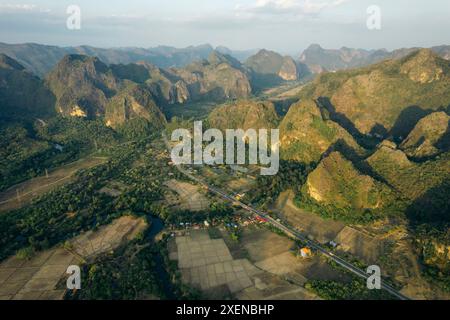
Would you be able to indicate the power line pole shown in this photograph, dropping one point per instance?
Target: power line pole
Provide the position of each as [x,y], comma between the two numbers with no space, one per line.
[18,196]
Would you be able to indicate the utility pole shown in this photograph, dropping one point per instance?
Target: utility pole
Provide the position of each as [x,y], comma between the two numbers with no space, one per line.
[18,196]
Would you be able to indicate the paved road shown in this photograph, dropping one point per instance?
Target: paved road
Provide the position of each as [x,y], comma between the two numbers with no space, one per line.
[288,230]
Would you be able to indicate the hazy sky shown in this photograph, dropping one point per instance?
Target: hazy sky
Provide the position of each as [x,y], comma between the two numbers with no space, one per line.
[284,25]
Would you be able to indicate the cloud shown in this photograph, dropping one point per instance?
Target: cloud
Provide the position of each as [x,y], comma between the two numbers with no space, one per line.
[21,8]
[295,8]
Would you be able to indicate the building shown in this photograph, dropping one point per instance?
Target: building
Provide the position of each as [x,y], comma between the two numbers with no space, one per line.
[305,252]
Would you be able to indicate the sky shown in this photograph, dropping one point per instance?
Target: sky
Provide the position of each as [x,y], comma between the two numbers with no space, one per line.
[287,26]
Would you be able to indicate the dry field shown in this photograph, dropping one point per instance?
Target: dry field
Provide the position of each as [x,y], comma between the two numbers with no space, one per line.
[190,197]
[320,229]
[9,199]
[241,185]
[360,244]
[272,253]
[38,277]
[209,266]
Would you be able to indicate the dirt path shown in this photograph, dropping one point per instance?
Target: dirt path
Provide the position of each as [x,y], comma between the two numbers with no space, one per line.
[22,194]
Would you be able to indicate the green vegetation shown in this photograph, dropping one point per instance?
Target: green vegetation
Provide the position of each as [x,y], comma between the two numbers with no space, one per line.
[176,217]
[307,133]
[291,175]
[27,151]
[244,114]
[48,221]
[355,290]
[22,95]
[129,274]
[392,95]
[327,132]
[139,270]
[337,190]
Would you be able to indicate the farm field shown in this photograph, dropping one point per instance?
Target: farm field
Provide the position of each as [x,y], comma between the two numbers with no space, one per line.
[189,195]
[38,276]
[21,195]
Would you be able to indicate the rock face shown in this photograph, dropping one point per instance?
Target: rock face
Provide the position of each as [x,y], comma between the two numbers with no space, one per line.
[22,95]
[82,86]
[288,70]
[412,180]
[386,98]
[305,134]
[430,137]
[220,77]
[338,183]
[86,87]
[422,67]
[269,68]
[244,115]
[132,103]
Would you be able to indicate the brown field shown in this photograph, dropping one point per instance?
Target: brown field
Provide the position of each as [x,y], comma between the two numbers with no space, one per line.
[269,270]
[360,244]
[190,197]
[272,253]
[20,195]
[241,184]
[208,265]
[38,277]
[320,229]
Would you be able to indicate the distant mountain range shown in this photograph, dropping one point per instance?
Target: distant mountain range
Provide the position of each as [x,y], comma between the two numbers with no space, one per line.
[40,59]
[319,59]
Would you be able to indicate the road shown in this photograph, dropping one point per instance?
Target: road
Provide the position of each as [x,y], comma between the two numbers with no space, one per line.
[288,230]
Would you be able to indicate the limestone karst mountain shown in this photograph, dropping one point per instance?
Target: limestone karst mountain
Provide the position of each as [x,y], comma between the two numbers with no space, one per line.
[82,85]
[336,182]
[220,77]
[86,87]
[430,137]
[269,68]
[244,114]
[385,99]
[321,60]
[22,95]
[306,134]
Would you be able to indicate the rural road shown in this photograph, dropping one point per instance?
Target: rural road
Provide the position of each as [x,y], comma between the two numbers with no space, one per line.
[288,230]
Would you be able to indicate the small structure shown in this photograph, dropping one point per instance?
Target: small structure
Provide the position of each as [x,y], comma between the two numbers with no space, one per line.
[59,147]
[206,224]
[261,219]
[305,253]
[240,196]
